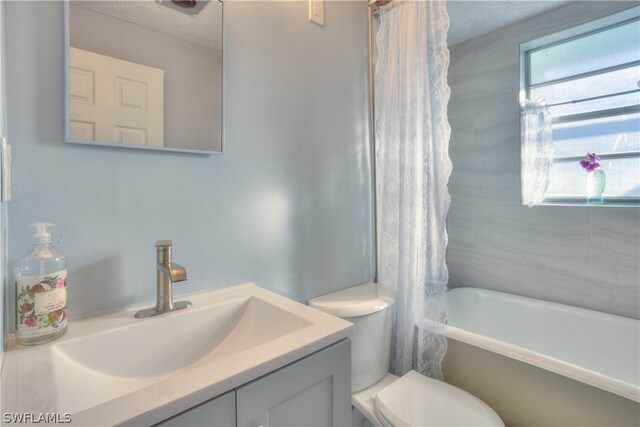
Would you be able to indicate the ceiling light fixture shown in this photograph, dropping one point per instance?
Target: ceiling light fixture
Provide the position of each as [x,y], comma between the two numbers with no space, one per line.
[186,4]
[189,7]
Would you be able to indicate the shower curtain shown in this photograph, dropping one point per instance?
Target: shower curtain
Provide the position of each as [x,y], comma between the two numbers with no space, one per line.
[412,171]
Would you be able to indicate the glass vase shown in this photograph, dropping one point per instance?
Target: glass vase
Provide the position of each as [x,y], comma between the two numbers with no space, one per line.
[596,181]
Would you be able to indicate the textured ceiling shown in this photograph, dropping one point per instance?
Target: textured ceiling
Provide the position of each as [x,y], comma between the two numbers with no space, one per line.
[471,18]
[468,18]
[203,28]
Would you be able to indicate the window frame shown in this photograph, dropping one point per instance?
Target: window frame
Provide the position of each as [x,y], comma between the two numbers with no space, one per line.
[598,25]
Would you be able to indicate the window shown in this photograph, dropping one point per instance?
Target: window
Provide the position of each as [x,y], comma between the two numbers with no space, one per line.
[589,77]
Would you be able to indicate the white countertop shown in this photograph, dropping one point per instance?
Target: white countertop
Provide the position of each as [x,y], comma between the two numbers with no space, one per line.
[44,379]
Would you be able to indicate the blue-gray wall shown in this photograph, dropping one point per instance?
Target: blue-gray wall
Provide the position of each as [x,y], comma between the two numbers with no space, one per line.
[287,205]
[583,256]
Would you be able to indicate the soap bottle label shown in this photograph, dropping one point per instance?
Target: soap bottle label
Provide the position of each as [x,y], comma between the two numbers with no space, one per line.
[41,304]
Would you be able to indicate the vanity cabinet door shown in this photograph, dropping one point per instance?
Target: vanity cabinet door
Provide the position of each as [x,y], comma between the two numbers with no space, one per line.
[314,391]
[218,412]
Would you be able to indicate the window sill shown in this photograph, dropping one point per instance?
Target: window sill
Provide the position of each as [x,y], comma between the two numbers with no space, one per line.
[608,203]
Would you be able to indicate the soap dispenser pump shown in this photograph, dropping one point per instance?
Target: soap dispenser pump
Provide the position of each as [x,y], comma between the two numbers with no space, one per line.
[41,290]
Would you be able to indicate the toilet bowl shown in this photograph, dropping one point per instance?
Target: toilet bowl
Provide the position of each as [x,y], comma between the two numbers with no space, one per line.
[383,398]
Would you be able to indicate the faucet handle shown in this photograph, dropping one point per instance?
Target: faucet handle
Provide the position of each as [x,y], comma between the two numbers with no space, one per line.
[164,244]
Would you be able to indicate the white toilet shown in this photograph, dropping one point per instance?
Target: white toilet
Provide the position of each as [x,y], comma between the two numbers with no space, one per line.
[383,398]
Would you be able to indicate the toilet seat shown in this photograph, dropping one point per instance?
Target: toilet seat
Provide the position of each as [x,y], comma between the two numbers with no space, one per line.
[416,400]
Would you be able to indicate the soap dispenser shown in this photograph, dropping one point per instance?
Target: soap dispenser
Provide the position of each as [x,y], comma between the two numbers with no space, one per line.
[41,291]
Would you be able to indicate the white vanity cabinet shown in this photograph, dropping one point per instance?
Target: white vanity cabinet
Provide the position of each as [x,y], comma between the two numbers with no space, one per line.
[240,354]
[217,412]
[313,391]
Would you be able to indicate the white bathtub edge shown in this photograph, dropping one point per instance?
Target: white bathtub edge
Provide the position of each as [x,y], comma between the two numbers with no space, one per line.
[626,390]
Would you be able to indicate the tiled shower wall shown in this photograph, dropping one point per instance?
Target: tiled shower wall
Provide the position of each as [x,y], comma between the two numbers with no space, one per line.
[583,256]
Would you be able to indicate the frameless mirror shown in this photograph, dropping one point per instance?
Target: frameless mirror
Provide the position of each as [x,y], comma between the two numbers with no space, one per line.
[145,74]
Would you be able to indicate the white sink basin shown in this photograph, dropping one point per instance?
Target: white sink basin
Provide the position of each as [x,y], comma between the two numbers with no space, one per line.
[117,368]
[164,344]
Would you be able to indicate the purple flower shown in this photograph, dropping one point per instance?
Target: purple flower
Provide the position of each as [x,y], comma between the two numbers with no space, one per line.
[590,162]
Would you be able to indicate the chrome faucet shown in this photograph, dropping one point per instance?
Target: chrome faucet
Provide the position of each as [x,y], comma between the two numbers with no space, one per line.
[167,272]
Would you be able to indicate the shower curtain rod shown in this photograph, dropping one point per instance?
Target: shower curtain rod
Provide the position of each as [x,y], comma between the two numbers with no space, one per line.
[375,5]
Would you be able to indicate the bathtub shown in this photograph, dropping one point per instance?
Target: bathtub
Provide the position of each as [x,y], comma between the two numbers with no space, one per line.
[542,363]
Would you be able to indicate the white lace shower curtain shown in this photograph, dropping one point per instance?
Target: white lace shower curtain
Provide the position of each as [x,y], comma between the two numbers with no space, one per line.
[412,171]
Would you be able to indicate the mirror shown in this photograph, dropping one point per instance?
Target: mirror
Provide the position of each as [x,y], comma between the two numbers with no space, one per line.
[144,74]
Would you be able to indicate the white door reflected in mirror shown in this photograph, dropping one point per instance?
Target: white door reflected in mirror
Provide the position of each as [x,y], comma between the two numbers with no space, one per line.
[144,75]
[116,101]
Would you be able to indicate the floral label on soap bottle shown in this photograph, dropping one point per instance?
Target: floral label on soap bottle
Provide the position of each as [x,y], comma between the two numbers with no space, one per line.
[41,304]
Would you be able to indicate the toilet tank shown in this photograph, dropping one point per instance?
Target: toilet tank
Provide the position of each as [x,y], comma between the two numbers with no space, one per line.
[368,307]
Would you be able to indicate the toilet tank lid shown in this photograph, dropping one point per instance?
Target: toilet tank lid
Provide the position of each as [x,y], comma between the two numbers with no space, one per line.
[356,301]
